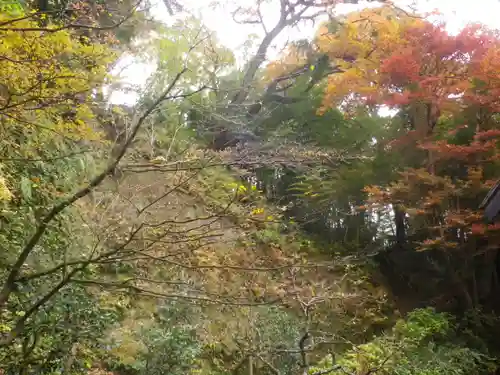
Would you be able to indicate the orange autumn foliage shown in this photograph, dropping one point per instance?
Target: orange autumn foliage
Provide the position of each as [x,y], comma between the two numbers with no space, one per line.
[446,91]
[412,64]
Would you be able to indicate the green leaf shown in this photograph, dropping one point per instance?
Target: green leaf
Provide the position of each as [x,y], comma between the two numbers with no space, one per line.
[81,162]
[26,188]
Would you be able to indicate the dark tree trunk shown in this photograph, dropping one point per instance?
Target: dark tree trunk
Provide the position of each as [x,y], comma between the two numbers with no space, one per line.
[399,221]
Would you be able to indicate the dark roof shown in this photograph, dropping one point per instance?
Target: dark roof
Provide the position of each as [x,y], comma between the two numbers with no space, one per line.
[491,203]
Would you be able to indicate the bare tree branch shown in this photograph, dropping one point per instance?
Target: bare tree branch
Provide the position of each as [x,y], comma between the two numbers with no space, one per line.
[57,209]
[74,26]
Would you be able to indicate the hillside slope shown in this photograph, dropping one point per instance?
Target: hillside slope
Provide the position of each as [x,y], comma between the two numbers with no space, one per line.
[220,248]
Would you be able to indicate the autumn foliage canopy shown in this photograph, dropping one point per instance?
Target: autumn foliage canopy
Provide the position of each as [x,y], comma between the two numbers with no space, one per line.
[445,90]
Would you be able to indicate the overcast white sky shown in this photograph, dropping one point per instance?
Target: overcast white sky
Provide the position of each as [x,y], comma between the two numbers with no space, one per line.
[456,13]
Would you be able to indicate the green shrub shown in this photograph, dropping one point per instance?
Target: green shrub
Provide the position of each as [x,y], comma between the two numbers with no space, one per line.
[425,343]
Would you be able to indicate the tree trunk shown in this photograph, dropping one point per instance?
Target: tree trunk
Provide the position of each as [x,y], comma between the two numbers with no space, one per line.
[250,365]
[399,221]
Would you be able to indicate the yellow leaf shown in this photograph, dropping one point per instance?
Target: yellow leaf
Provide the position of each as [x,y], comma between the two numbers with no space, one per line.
[258,211]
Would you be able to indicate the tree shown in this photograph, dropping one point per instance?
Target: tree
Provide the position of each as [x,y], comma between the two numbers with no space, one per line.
[442,140]
[423,73]
[45,104]
[171,344]
[65,247]
[291,14]
[424,342]
[155,229]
